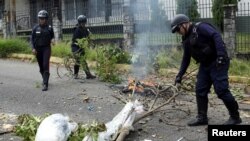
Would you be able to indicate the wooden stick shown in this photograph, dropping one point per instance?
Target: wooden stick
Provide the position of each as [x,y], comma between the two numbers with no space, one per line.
[125,131]
[157,95]
[120,99]
[134,88]
[151,111]
[123,134]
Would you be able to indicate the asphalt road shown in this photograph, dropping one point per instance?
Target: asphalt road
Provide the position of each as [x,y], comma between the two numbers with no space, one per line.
[20,93]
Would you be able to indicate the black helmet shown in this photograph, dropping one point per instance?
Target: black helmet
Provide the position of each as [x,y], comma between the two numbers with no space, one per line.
[178,19]
[82,19]
[43,14]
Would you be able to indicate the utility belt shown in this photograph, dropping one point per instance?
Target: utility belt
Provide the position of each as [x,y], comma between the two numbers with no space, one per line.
[204,54]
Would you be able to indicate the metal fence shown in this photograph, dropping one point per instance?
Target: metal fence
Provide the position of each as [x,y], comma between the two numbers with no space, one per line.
[105,19]
[243,28]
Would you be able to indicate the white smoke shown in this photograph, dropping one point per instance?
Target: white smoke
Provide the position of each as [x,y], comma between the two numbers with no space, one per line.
[148,25]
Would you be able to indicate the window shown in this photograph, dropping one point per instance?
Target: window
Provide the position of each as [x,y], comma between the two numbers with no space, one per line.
[73,8]
[1,8]
[69,10]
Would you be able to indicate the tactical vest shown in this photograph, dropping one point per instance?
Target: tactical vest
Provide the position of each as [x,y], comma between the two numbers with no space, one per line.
[43,36]
[202,52]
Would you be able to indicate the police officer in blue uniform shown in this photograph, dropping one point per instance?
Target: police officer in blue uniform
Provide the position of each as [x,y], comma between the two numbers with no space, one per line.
[80,31]
[41,39]
[204,44]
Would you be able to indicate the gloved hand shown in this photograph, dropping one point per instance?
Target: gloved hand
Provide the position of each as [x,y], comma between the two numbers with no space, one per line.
[220,61]
[177,80]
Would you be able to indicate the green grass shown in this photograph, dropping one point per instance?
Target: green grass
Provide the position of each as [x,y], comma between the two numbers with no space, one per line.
[68,37]
[171,58]
[61,49]
[239,67]
[8,46]
[243,43]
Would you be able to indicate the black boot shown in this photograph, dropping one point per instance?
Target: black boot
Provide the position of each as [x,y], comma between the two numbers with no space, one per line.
[233,112]
[45,81]
[45,87]
[88,74]
[76,70]
[41,75]
[201,118]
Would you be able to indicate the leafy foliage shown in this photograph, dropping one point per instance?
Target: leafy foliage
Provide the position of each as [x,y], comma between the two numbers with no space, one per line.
[239,67]
[107,58]
[61,49]
[90,130]
[218,11]
[189,8]
[27,126]
[230,1]
[8,46]
[85,45]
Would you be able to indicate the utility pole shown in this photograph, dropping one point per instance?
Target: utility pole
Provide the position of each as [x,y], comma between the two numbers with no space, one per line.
[57,20]
[230,28]
[9,26]
[128,25]
[13,18]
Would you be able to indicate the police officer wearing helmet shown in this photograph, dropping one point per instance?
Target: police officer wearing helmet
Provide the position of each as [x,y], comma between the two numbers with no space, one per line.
[41,39]
[204,44]
[80,31]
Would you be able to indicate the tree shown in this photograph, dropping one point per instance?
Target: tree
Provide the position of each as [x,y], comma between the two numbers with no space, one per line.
[158,16]
[231,2]
[218,11]
[189,8]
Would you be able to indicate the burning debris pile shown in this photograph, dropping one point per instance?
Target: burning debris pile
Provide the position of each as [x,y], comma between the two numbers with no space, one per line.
[146,87]
[140,86]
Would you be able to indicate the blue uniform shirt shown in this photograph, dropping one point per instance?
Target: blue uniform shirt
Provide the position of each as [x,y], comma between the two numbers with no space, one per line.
[41,36]
[207,35]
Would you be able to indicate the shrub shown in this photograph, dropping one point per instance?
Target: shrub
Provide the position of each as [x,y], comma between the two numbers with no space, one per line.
[8,46]
[239,67]
[121,56]
[169,58]
[106,64]
[61,49]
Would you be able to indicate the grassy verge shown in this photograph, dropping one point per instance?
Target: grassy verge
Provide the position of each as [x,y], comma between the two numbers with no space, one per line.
[167,58]
[8,46]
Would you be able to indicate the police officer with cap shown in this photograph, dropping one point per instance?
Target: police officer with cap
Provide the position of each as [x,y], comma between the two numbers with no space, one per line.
[80,31]
[41,39]
[204,44]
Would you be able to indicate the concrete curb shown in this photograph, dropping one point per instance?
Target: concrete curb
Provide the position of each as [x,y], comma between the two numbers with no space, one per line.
[53,59]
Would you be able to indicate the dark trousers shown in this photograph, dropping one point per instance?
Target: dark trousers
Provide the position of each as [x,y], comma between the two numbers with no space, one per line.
[78,55]
[218,77]
[43,59]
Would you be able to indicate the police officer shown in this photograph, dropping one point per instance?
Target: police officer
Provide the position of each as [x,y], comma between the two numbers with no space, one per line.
[80,31]
[204,44]
[41,39]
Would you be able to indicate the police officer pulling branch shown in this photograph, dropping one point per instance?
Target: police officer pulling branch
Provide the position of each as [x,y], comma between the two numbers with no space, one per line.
[204,44]
[80,31]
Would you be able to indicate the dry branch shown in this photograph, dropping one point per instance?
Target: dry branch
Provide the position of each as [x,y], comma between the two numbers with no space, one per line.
[151,111]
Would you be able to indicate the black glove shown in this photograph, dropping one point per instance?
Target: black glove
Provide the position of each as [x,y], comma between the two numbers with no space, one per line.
[221,60]
[177,80]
